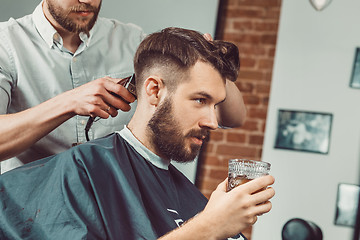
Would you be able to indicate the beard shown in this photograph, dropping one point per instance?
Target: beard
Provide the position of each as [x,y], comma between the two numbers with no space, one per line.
[83,24]
[167,138]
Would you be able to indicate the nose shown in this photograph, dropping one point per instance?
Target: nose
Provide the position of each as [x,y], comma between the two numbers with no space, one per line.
[210,120]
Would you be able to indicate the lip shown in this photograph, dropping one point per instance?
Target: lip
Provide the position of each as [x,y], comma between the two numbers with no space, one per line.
[197,141]
[84,13]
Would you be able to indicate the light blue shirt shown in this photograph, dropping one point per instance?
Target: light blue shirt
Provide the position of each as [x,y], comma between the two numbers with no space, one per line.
[35,66]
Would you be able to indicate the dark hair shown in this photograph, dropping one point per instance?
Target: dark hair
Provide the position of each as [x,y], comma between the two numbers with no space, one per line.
[173,51]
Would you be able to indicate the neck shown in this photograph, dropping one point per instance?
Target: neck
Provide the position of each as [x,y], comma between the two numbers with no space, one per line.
[71,40]
[139,132]
[138,127]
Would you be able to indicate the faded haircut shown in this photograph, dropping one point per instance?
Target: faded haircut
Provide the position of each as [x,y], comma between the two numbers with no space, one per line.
[173,51]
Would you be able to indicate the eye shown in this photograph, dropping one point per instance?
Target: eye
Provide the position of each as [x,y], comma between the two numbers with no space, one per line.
[200,100]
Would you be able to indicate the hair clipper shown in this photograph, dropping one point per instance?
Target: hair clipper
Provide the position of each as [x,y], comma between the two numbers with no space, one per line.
[129,84]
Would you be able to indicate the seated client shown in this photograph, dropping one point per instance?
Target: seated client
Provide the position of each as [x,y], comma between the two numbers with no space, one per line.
[123,186]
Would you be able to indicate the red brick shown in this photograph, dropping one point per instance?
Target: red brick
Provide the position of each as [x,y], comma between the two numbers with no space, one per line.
[271,52]
[247,63]
[232,3]
[266,63]
[219,174]
[256,139]
[252,39]
[248,13]
[232,37]
[268,76]
[209,185]
[217,135]
[204,172]
[243,25]
[211,160]
[209,147]
[257,113]
[263,125]
[264,3]
[265,100]
[243,38]
[262,87]
[236,137]
[251,99]
[236,151]
[251,50]
[269,39]
[266,26]
[259,153]
[256,75]
[250,125]
[272,13]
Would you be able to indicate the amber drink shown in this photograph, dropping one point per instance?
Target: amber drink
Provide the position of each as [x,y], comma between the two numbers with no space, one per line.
[244,170]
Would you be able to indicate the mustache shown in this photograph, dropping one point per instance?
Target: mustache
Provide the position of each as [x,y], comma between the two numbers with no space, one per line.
[83,7]
[201,134]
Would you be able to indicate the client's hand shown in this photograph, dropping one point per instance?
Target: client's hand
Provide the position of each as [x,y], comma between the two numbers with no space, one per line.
[232,212]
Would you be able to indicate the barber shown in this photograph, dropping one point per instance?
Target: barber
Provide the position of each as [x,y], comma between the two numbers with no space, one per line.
[60,65]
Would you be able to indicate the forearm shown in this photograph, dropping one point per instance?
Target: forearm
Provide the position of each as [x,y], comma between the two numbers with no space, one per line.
[199,227]
[21,130]
[232,112]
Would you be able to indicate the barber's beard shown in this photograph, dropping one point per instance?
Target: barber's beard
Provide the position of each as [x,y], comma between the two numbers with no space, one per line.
[61,16]
[167,137]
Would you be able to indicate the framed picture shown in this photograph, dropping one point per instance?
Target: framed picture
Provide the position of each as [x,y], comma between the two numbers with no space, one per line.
[355,77]
[303,131]
[347,204]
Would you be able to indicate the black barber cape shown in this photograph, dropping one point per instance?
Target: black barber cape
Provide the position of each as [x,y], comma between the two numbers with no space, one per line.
[103,189]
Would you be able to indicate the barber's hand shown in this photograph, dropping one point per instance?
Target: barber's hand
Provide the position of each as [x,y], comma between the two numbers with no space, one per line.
[95,98]
[234,211]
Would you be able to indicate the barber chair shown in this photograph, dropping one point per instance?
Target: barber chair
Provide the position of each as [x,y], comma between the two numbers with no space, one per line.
[300,229]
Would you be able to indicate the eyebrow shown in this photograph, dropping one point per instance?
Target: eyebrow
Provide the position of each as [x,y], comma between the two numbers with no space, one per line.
[208,96]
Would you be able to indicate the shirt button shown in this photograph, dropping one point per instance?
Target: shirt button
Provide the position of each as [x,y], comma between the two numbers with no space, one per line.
[83,122]
[74,59]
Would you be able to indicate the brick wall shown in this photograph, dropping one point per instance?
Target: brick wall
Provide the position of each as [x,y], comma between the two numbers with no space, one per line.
[252,25]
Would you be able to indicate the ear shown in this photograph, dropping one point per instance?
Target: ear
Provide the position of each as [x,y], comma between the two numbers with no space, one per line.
[154,89]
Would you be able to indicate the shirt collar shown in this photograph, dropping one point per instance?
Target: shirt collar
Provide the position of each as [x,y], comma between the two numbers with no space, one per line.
[49,33]
[144,151]
[43,26]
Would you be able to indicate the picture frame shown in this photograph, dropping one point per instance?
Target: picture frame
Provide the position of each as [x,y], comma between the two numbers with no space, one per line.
[347,204]
[355,76]
[303,131]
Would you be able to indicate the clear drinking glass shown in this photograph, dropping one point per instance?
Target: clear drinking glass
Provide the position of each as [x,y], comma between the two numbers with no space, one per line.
[244,170]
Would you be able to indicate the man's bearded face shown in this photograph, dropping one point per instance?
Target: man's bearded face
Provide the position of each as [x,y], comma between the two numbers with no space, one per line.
[168,137]
[77,18]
